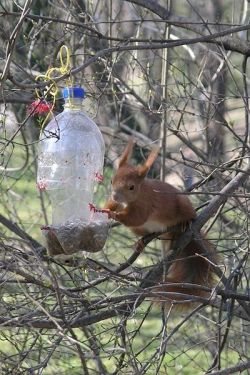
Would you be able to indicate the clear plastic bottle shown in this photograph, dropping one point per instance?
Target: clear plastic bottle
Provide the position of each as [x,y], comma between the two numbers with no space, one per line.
[70,160]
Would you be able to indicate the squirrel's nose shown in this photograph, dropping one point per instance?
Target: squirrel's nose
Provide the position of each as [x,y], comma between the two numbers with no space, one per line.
[116,196]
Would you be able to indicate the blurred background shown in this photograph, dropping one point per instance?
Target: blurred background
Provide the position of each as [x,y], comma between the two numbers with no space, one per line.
[165,72]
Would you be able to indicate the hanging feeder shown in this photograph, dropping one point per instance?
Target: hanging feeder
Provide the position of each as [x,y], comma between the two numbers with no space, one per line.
[70,164]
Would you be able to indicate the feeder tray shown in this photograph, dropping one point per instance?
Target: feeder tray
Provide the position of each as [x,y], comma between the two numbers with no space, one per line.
[71,238]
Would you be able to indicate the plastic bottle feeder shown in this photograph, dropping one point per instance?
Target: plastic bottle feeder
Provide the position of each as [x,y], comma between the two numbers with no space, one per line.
[70,165]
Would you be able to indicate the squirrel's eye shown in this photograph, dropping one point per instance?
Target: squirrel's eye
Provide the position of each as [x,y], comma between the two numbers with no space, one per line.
[131,187]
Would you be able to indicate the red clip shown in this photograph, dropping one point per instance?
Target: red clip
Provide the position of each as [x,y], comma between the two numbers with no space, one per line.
[92,207]
[42,185]
[45,227]
[98,177]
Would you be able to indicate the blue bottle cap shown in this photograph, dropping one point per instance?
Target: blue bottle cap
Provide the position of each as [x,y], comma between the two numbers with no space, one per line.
[73,92]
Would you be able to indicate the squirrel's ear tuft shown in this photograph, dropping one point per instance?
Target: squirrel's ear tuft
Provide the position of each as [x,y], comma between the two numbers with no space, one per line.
[144,168]
[126,155]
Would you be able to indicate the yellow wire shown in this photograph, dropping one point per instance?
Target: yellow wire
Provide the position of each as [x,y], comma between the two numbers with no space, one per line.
[52,89]
[64,66]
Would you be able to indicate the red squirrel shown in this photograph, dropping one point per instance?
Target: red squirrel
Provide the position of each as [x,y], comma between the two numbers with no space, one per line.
[146,206]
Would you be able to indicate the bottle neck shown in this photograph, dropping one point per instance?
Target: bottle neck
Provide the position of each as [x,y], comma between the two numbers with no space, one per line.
[73,104]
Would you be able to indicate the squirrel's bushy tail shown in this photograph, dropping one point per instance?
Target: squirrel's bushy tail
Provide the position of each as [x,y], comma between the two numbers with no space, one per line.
[191,267]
